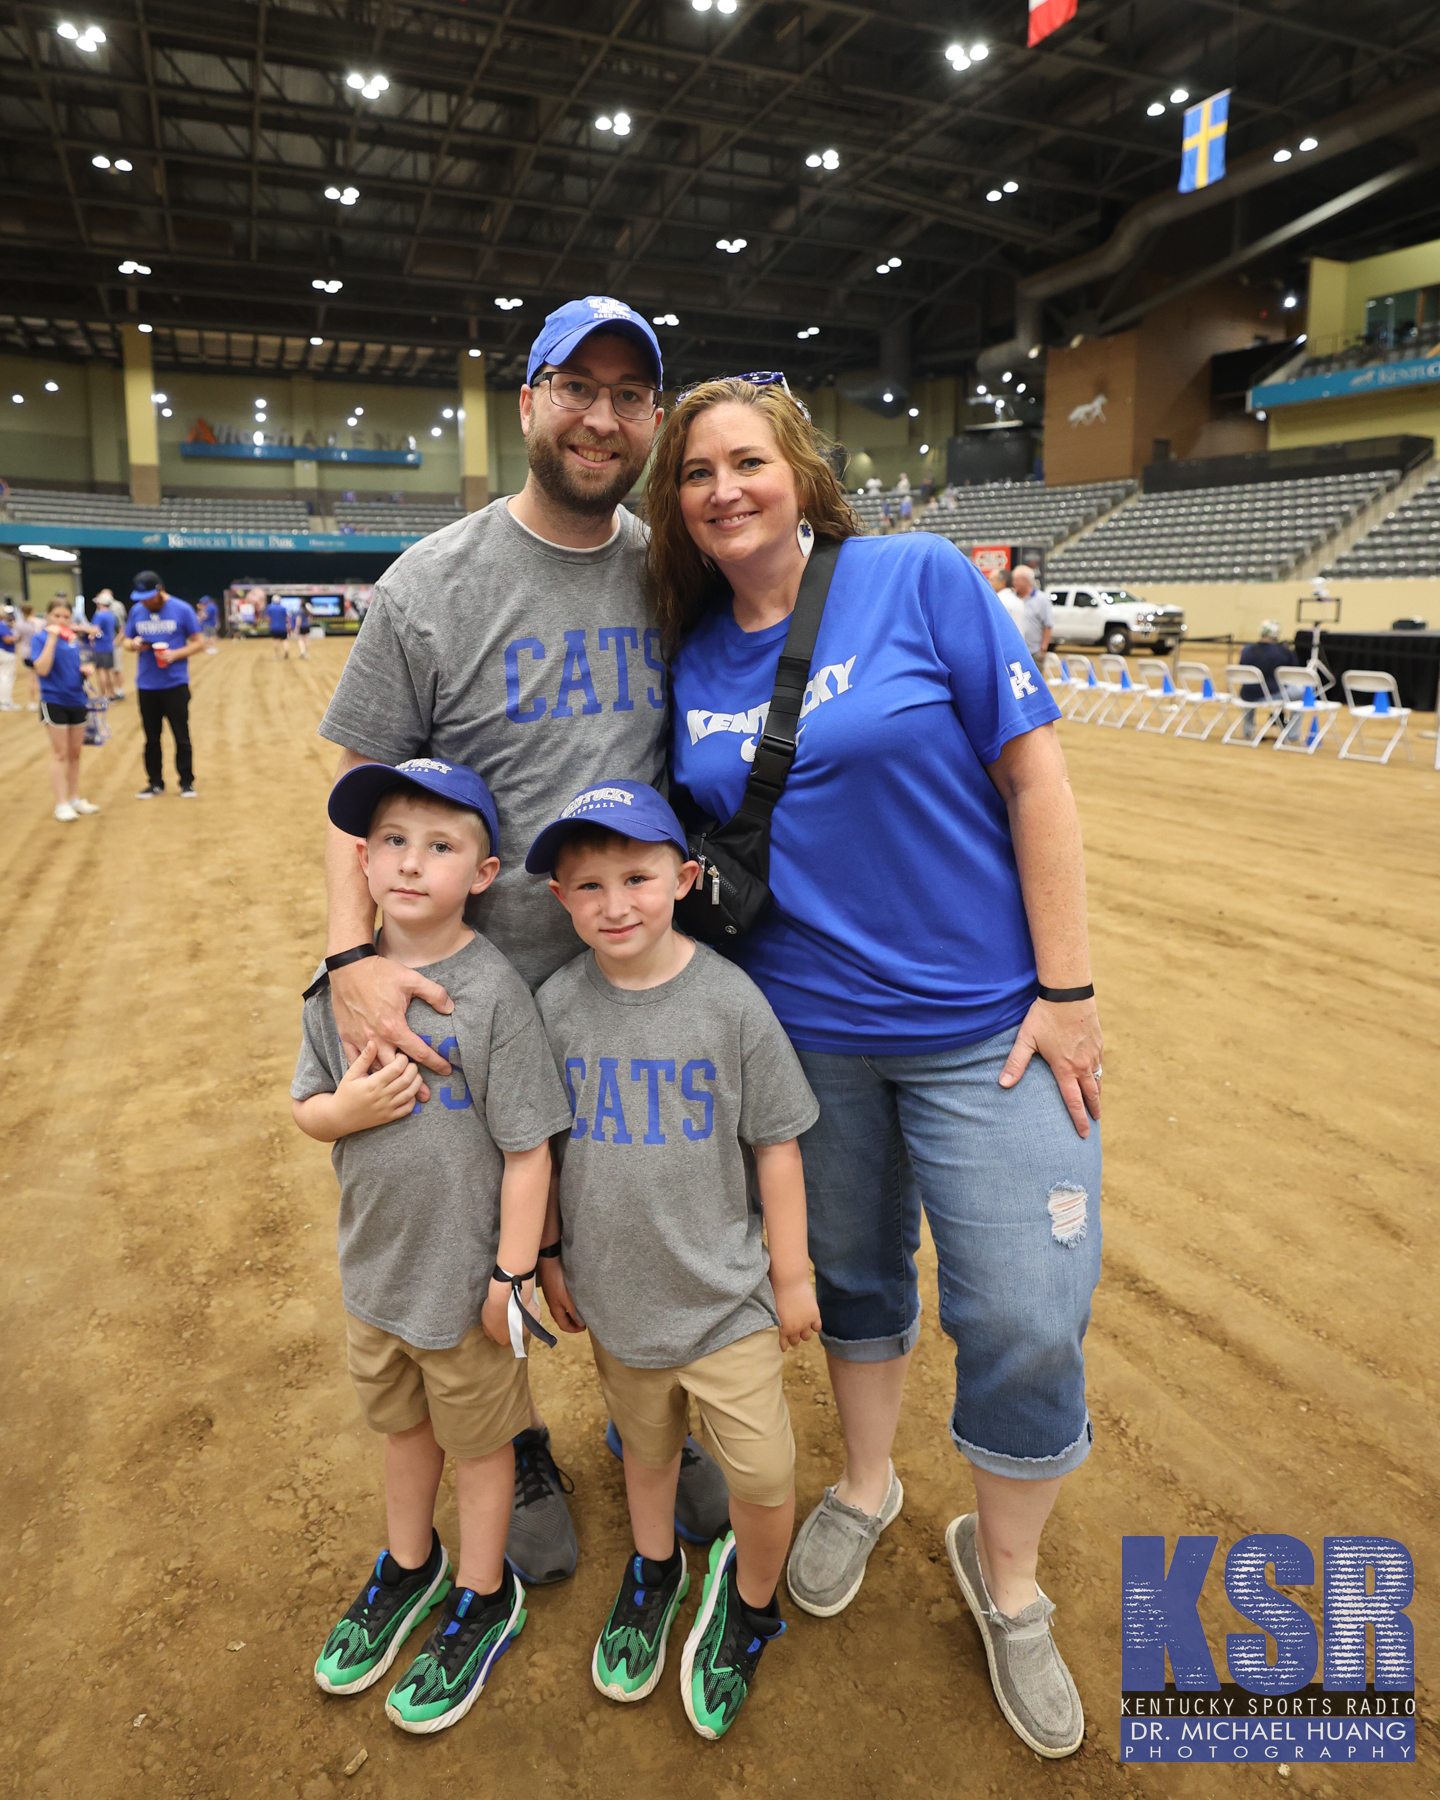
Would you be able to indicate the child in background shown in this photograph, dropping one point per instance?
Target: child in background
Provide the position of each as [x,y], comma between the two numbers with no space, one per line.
[55,659]
[687,1102]
[441,1208]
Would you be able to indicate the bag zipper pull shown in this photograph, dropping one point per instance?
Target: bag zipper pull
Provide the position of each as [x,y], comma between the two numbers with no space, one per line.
[714,885]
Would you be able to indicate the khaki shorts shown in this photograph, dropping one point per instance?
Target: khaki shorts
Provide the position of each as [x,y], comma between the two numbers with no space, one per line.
[476,1396]
[742,1409]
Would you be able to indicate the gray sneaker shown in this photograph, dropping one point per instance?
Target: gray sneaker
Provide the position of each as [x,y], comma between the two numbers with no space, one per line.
[541,1546]
[1027,1672]
[827,1562]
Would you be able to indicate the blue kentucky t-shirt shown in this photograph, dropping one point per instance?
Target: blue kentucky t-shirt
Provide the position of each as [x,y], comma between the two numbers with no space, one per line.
[173,625]
[105,624]
[64,685]
[898,925]
[279,618]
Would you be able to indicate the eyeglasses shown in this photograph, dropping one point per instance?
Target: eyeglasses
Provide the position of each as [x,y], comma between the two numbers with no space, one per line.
[577,393]
[756,378]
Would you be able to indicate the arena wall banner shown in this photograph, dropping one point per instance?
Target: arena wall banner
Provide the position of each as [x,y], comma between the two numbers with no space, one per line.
[101,537]
[1339,384]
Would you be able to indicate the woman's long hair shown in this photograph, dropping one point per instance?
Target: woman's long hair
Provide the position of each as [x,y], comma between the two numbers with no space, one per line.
[682,585]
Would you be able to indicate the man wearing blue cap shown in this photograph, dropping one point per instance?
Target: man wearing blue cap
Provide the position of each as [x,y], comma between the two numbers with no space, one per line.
[517,643]
[167,634]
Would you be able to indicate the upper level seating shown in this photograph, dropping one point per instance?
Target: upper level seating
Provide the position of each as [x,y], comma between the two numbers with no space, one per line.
[41,506]
[1407,543]
[1001,512]
[1251,533]
[1420,342]
[388,517]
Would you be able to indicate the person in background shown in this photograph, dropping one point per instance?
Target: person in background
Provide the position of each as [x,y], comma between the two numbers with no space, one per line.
[1034,616]
[209,623]
[8,641]
[907,509]
[902,485]
[119,612]
[1267,655]
[299,629]
[102,647]
[277,618]
[55,657]
[166,634]
[25,628]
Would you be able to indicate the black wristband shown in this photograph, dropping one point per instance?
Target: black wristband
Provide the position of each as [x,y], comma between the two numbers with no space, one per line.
[1059,996]
[499,1274]
[551,1249]
[345,957]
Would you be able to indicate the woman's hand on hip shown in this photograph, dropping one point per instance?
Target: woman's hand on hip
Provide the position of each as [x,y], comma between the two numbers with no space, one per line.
[1068,1037]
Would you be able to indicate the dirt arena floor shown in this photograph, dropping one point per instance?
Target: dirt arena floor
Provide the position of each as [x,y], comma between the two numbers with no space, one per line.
[189,1495]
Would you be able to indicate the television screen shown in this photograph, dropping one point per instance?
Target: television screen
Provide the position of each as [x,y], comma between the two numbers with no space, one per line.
[289,602]
[326,606]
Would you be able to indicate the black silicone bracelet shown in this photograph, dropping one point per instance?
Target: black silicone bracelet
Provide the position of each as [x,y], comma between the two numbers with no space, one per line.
[551,1249]
[1061,995]
[344,957]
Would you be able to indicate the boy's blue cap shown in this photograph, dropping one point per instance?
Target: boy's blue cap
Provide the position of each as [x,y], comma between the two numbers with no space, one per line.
[570,324]
[355,796]
[629,807]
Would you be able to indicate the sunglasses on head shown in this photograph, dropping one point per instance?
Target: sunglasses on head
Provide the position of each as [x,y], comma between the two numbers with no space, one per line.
[757,378]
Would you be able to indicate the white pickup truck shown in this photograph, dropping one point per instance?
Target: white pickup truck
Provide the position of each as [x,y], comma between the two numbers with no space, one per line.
[1115,619]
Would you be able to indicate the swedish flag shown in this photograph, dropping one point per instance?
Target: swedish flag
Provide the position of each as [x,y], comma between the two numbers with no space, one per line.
[1202,150]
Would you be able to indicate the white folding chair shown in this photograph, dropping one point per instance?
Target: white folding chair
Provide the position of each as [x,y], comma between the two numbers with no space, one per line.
[1090,694]
[1305,699]
[1383,709]
[1159,696]
[1197,691]
[1052,673]
[1261,714]
[1123,696]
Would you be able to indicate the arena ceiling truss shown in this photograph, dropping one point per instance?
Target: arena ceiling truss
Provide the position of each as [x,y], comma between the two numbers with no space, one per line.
[197,143]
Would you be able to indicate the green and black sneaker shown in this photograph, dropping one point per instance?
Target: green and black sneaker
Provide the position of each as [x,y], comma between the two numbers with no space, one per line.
[446,1678]
[723,1649]
[630,1652]
[388,1608]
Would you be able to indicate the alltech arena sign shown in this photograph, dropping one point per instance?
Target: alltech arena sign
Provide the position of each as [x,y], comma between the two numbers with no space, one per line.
[1271,1710]
[1341,384]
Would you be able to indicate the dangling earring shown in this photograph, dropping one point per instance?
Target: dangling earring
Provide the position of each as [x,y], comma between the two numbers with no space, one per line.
[805,536]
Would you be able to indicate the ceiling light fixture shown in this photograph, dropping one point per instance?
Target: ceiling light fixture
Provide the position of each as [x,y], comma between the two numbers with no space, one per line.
[887,396]
[158,399]
[90,39]
[1155,110]
[956,57]
[52,387]
[327,287]
[894,262]
[370,87]
[477,353]
[914,412]
[1011,187]
[701,5]
[994,195]
[1289,301]
[1281,156]
[260,418]
[167,412]
[665,319]
[351,422]
[1019,387]
[981,389]
[359,412]
[726,6]
[622,124]
[134,268]
[733,245]
[1180,96]
[257,437]
[435,431]
[1033,352]
[124,166]
[18,399]
[1009,375]
[145,329]
[316,342]
[67,30]
[809,332]
[924,449]
[99,162]
[978,52]
[604,123]
[882,268]
[505,305]
[1309,143]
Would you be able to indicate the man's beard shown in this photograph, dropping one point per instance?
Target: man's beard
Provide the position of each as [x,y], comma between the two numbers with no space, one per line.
[549,466]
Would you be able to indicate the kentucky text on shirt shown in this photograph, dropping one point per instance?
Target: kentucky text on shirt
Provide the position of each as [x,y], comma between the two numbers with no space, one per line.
[749,724]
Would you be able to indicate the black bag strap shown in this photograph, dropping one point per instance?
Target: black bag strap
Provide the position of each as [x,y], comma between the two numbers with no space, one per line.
[775,751]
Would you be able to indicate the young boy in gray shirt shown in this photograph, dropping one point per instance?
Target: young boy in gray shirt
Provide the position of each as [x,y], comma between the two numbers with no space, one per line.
[441,1209]
[681,1157]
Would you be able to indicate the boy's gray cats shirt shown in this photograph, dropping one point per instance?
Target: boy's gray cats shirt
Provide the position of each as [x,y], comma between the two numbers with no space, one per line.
[669,1086]
[536,666]
[420,1198]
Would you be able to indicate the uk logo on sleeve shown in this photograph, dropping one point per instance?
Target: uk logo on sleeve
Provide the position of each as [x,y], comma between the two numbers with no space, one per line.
[1020,683]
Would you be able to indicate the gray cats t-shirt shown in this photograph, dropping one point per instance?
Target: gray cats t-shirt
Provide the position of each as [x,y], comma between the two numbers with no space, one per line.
[536,666]
[420,1198]
[669,1086]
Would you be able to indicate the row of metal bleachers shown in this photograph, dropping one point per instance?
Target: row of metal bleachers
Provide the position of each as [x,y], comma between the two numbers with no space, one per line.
[41,506]
[1405,544]
[1253,533]
[1001,511]
[384,517]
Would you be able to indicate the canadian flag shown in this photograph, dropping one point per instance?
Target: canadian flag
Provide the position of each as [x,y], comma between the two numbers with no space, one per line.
[1047,16]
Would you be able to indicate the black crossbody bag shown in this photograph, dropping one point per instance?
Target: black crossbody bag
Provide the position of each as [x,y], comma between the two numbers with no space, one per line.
[731,894]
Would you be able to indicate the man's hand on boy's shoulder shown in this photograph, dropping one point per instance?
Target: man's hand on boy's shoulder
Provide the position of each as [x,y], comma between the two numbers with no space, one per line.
[557,1295]
[375,1092]
[799,1312]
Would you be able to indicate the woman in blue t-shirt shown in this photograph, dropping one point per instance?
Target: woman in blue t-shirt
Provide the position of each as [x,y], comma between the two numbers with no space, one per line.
[925,859]
[55,657]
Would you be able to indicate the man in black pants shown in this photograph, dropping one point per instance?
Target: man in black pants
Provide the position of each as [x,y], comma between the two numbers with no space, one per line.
[166,633]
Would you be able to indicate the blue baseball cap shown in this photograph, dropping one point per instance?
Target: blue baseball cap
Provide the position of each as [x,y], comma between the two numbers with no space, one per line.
[629,807]
[355,796]
[570,324]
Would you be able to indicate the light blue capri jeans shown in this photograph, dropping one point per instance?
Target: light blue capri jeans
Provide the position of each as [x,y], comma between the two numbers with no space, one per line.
[1012,1194]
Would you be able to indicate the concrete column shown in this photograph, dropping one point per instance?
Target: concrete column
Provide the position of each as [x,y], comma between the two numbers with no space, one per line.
[474,425]
[302,420]
[140,428]
[100,388]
